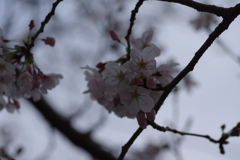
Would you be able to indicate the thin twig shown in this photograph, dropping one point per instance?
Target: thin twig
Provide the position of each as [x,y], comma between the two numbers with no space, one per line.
[46,20]
[132,19]
[222,140]
[164,129]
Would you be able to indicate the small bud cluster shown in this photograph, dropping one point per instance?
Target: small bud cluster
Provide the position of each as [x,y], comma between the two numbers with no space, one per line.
[131,87]
[236,130]
[20,76]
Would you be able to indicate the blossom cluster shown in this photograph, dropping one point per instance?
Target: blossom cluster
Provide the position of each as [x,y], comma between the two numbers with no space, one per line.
[130,87]
[20,76]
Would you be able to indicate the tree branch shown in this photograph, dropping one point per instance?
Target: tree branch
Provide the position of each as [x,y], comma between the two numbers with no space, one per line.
[227,20]
[46,20]
[228,15]
[222,140]
[164,129]
[132,19]
[129,143]
[79,139]
[219,11]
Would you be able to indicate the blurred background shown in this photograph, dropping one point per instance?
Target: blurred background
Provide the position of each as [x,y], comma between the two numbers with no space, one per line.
[203,101]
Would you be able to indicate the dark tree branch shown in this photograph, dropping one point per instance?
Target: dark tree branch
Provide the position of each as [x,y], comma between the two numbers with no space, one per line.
[129,143]
[227,20]
[226,49]
[228,14]
[79,139]
[219,11]
[132,19]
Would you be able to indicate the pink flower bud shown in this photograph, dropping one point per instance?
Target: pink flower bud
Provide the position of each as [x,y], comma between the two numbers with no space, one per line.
[151,82]
[16,103]
[139,81]
[37,80]
[151,115]
[31,25]
[114,35]
[100,65]
[116,101]
[223,127]
[49,41]
[142,120]
[133,81]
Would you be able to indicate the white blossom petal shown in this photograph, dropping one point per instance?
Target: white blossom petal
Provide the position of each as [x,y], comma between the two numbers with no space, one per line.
[147,36]
[150,53]
[134,107]
[146,103]
[136,55]
[139,43]
[112,67]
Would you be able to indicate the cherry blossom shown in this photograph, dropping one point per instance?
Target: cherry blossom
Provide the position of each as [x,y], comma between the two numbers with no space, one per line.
[34,94]
[6,84]
[122,111]
[126,87]
[118,75]
[20,76]
[143,62]
[136,99]
[30,85]
[96,85]
[155,95]
[6,68]
[165,72]
[144,41]
[49,82]
[24,81]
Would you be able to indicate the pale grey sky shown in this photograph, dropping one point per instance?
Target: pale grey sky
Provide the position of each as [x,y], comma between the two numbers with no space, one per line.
[213,102]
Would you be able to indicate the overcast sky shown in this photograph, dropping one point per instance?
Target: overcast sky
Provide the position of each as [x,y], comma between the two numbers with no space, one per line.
[213,102]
